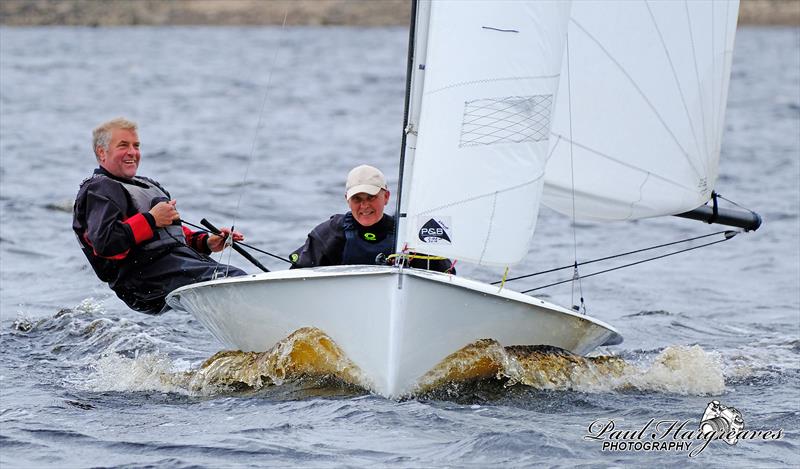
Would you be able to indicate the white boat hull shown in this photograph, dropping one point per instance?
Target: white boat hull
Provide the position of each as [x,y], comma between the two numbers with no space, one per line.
[394,324]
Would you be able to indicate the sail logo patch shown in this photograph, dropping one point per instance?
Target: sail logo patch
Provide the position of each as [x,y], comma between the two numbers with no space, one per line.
[435,231]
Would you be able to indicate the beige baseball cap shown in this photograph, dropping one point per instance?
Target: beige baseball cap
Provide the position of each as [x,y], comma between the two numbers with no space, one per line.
[364,178]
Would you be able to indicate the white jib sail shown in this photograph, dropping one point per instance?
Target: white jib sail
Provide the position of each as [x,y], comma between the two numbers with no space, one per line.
[642,99]
[483,92]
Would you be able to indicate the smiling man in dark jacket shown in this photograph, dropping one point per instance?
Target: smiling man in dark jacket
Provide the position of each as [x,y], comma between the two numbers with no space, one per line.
[364,235]
[128,227]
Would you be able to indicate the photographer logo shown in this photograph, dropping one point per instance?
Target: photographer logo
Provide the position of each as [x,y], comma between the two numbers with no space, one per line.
[719,422]
[726,421]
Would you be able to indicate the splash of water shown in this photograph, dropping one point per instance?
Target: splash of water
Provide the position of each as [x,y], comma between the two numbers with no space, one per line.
[129,361]
[147,372]
[680,370]
[309,352]
[87,307]
[87,331]
[677,369]
[305,352]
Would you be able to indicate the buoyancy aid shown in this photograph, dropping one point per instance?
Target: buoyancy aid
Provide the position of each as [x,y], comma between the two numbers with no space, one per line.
[144,196]
[358,250]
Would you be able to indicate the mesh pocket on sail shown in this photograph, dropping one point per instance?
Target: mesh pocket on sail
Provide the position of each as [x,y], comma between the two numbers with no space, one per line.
[510,119]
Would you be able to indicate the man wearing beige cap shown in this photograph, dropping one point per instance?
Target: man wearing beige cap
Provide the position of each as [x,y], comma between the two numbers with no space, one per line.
[364,235]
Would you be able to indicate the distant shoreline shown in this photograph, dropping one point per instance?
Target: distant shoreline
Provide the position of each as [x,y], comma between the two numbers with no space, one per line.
[271,12]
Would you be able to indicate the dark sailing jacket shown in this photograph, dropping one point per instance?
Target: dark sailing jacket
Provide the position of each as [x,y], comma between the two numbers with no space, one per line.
[343,241]
[141,262]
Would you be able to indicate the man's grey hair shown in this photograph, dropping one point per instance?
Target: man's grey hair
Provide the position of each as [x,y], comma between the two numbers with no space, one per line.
[101,136]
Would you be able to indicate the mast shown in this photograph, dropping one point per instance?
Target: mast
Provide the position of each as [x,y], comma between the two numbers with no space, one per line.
[417,36]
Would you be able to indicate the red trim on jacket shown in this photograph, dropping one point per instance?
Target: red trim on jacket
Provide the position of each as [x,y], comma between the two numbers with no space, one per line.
[196,240]
[115,257]
[142,231]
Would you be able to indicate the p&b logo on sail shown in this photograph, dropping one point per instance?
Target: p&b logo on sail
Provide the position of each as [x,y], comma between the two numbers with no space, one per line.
[435,230]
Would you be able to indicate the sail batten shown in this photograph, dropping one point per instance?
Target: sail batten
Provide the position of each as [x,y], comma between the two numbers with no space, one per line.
[494,80]
[645,98]
[628,164]
[703,126]
[469,199]
[678,87]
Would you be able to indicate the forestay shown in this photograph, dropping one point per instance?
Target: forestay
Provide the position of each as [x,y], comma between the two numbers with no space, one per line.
[642,99]
[485,77]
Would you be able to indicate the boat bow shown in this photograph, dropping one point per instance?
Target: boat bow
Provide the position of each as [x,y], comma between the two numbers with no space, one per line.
[394,324]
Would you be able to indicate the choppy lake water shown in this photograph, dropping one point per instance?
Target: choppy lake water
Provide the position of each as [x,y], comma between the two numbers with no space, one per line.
[85,382]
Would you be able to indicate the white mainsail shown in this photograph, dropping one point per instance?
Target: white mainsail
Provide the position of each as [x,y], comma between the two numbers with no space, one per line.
[480,120]
[642,101]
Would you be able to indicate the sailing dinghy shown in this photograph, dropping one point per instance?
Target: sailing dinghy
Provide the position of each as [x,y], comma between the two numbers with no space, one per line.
[601,110]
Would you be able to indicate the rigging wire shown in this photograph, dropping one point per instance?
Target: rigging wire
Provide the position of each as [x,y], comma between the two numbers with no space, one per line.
[575,274]
[728,235]
[259,124]
[719,196]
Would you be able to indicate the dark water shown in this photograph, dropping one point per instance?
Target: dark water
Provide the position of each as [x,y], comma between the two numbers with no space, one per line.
[84,382]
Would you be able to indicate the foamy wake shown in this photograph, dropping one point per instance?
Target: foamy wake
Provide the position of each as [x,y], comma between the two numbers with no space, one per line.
[147,372]
[308,352]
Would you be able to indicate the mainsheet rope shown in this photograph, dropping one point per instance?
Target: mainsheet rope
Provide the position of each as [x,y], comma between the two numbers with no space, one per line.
[240,243]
